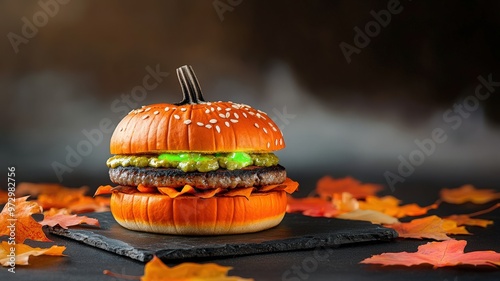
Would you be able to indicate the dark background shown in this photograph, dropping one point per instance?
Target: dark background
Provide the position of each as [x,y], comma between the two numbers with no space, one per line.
[349,118]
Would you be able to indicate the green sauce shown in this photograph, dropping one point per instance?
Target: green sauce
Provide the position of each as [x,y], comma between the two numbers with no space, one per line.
[190,162]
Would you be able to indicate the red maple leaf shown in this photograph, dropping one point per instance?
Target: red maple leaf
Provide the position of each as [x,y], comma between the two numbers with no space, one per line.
[438,254]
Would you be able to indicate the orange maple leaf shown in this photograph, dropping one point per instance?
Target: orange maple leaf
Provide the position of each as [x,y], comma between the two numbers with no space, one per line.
[35,189]
[58,196]
[389,205]
[16,218]
[312,206]
[468,220]
[432,227]
[327,186]
[4,196]
[64,220]
[23,252]
[62,198]
[89,204]
[156,270]
[438,254]
[368,215]
[468,193]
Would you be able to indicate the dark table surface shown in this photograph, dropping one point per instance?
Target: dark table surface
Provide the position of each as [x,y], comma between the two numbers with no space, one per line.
[87,263]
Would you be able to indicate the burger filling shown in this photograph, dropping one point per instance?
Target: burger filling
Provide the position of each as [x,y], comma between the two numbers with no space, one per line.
[201,175]
[191,162]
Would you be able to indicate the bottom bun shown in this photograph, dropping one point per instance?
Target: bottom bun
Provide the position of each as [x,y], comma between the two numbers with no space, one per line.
[196,216]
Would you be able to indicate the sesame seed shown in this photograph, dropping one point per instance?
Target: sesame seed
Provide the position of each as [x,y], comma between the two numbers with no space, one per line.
[276,142]
[208,126]
[187,122]
[145,117]
[228,109]
[281,141]
[199,124]
[258,115]
[156,112]
[235,106]
[222,115]
[236,115]
[207,111]
[177,116]
[183,109]
[234,120]
[226,123]
[212,109]
[256,125]
[268,145]
[131,111]
[143,106]
[265,130]
[244,114]
[213,121]
[217,128]
[251,113]
[140,111]
[209,103]
[246,108]
[167,108]
[147,109]
[274,129]
[228,114]
[219,108]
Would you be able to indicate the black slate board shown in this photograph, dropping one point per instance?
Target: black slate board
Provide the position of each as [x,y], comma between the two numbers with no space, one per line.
[296,232]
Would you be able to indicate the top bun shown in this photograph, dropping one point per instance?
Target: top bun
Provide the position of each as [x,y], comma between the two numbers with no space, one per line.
[194,125]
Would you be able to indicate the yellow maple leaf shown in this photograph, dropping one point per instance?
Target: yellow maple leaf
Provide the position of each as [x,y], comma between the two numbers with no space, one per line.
[23,252]
[156,270]
[432,227]
[389,205]
[468,193]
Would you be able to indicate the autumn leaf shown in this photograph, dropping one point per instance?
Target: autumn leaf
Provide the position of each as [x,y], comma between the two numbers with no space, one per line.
[4,196]
[89,204]
[64,220]
[18,216]
[438,254]
[62,198]
[58,196]
[327,186]
[389,205]
[156,270]
[311,206]
[320,207]
[432,227]
[35,189]
[468,193]
[468,220]
[368,215]
[23,252]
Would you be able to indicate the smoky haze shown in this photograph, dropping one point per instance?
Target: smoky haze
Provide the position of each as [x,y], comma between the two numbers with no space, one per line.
[406,104]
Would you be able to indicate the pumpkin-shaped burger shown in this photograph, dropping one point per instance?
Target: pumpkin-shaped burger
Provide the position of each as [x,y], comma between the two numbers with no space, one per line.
[197,167]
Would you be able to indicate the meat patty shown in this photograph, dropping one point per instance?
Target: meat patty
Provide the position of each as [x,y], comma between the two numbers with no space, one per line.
[222,178]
